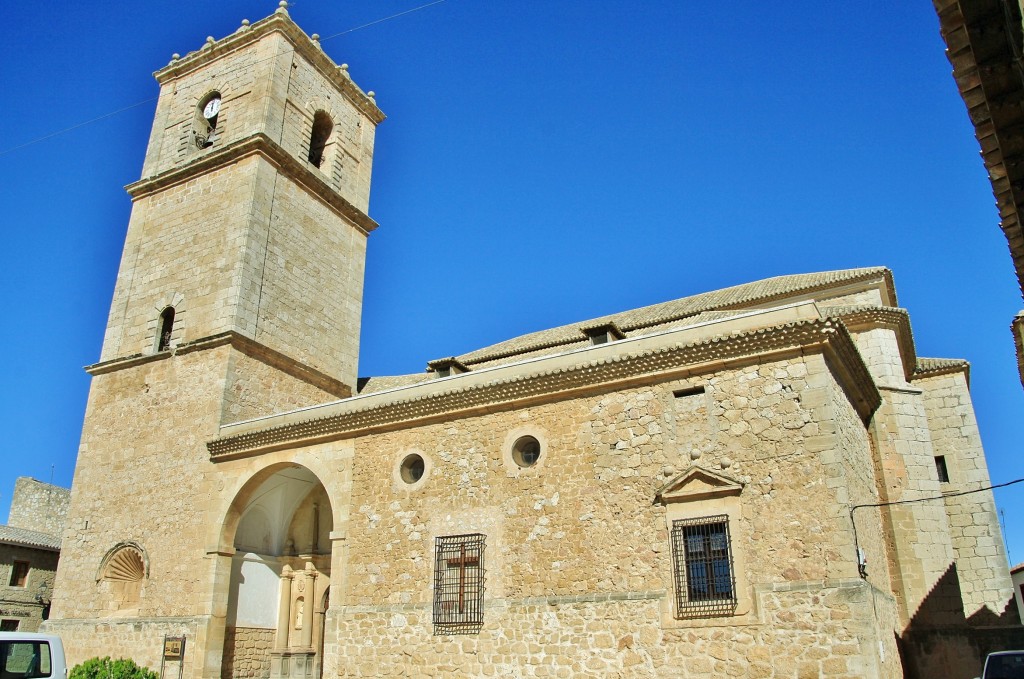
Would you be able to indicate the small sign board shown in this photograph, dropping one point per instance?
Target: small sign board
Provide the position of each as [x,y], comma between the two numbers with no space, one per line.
[174,648]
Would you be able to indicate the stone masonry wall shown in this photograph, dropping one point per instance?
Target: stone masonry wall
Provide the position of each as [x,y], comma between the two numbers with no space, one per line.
[140,478]
[39,506]
[981,561]
[579,564]
[255,389]
[551,637]
[247,653]
[921,551]
[310,276]
[138,638]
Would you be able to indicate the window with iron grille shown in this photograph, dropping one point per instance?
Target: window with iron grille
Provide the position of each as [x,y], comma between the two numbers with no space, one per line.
[459,584]
[705,578]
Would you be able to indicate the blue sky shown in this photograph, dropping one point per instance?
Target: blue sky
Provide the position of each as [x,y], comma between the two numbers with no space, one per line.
[543,163]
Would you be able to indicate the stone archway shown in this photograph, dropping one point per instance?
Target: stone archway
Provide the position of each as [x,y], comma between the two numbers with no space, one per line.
[280,569]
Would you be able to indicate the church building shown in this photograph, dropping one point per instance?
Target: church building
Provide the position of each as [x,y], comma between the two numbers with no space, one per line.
[760,481]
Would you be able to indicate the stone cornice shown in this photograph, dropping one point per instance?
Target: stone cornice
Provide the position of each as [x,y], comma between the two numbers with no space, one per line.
[247,346]
[309,50]
[862,317]
[547,380]
[262,145]
[936,367]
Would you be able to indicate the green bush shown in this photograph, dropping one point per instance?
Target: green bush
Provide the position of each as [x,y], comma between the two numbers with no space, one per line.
[105,668]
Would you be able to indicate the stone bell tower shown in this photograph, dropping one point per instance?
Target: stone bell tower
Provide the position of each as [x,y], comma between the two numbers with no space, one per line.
[238,295]
[250,218]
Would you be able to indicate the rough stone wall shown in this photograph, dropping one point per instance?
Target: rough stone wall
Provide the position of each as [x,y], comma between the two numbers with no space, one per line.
[140,639]
[26,604]
[144,437]
[247,653]
[578,560]
[921,550]
[255,389]
[622,637]
[981,560]
[39,506]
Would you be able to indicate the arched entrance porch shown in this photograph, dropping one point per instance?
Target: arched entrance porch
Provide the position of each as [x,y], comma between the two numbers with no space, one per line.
[280,572]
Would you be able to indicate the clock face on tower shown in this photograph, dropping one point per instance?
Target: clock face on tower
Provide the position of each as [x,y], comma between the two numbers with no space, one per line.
[212,108]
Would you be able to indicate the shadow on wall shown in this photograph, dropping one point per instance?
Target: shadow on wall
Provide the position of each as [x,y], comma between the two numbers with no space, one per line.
[941,641]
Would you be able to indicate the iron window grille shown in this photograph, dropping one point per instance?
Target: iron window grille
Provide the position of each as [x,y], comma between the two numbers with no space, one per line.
[705,577]
[459,584]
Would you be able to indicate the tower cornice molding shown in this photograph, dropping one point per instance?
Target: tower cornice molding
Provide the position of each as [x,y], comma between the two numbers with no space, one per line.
[281,23]
[262,145]
[246,345]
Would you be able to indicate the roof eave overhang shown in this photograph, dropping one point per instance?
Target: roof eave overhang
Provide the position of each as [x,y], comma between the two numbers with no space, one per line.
[603,368]
[983,39]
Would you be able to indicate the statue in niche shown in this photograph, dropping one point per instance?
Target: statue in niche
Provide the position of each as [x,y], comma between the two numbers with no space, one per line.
[300,608]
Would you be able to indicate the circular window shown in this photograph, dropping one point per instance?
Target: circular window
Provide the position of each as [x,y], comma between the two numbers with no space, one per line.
[526,451]
[412,468]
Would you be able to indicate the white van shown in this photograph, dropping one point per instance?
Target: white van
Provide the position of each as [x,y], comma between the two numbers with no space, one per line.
[24,655]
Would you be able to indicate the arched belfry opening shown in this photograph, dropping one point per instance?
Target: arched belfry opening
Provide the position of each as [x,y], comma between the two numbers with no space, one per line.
[204,120]
[163,336]
[281,568]
[320,137]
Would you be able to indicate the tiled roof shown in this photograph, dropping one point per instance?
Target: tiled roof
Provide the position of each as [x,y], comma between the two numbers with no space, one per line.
[672,315]
[667,313]
[28,538]
[371,385]
[938,366]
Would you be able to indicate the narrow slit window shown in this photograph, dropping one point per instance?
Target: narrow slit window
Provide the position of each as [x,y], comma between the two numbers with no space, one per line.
[941,469]
[166,328]
[322,127]
[459,584]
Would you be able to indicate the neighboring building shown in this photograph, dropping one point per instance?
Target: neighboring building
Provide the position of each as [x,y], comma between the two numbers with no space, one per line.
[746,482]
[985,41]
[29,548]
[1017,575]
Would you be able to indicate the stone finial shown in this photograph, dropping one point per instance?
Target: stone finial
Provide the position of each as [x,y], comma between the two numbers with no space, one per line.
[371,94]
[282,7]
[244,26]
[695,453]
[209,42]
[175,57]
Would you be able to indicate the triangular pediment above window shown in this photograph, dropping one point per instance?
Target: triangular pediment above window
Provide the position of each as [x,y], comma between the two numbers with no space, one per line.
[697,483]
